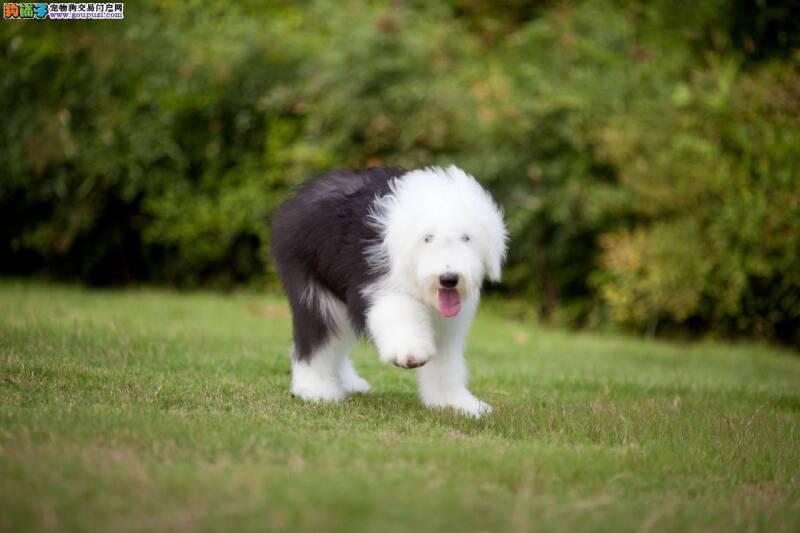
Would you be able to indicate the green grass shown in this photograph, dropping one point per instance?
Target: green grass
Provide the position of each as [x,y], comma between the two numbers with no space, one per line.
[147,409]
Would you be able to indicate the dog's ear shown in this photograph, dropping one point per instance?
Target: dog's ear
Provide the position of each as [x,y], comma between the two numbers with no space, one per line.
[494,270]
[494,263]
[497,246]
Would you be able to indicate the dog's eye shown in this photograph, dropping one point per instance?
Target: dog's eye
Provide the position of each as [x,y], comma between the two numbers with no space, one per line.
[429,238]
[465,238]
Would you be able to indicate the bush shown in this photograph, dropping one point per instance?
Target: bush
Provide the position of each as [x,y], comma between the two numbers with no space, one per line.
[645,155]
[714,199]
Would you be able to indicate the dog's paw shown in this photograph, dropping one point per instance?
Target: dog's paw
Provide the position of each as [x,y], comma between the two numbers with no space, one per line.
[317,389]
[409,360]
[351,381]
[464,404]
[319,394]
[475,408]
[410,355]
[355,384]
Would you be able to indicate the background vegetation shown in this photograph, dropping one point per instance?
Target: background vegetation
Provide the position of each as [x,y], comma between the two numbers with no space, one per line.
[646,153]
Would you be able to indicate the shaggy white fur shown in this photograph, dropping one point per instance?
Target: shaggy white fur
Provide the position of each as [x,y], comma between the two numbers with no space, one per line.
[441,234]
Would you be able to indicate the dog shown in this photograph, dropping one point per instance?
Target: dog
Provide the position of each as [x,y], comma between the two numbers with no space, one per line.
[398,256]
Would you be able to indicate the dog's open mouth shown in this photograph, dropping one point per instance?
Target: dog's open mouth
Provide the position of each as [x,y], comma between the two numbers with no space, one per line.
[449,302]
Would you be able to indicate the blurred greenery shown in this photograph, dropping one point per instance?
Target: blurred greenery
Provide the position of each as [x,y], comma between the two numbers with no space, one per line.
[646,153]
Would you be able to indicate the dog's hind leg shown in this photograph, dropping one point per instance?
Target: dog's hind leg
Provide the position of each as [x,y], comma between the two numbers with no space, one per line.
[318,376]
[323,339]
[328,374]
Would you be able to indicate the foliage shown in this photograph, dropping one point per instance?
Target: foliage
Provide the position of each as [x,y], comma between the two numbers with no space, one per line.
[645,152]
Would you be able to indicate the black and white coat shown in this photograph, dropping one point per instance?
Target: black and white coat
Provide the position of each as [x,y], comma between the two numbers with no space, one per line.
[398,256]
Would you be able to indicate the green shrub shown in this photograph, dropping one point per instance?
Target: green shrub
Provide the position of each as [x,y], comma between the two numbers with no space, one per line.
[645,152]
[714,203]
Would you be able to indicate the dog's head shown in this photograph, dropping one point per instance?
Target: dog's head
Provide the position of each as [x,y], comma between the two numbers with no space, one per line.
[442,235]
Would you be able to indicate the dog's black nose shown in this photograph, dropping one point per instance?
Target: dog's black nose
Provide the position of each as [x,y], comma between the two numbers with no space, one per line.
[448,280]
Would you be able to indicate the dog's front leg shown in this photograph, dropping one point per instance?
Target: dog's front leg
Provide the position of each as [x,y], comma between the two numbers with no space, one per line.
[400,325]
[443,381]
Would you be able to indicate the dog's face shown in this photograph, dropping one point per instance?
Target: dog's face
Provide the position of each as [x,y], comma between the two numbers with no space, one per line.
[443,235]
[448,266]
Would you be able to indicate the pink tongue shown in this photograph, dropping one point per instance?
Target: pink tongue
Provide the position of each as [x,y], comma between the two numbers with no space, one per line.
[449,302]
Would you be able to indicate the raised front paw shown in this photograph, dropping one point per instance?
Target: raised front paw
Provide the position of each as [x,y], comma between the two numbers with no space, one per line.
[408,355]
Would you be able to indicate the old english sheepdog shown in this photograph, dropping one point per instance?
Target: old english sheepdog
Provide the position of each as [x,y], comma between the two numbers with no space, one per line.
[396,255]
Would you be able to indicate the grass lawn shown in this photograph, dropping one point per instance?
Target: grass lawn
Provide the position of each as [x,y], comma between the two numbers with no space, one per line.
[156,410]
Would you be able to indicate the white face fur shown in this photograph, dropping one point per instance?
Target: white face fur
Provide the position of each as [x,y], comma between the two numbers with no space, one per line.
[453,252]
[442,233]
